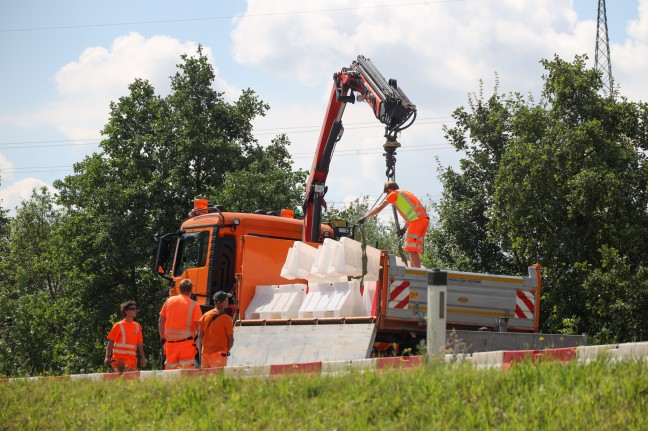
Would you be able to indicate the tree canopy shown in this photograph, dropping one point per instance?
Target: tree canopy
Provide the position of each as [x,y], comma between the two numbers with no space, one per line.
[561,183]
[81,253]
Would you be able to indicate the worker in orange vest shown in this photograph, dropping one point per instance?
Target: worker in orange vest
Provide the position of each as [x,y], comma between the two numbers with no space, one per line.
[178,325]
[216,333]
[415,215]
[124,340]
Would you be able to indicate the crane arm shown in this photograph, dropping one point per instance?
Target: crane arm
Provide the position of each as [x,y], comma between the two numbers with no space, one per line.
[391,107]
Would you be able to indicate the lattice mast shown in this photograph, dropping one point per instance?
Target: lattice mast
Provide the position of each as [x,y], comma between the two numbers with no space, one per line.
[602,55]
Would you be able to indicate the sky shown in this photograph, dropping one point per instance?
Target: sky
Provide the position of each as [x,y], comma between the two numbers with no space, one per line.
[63,62]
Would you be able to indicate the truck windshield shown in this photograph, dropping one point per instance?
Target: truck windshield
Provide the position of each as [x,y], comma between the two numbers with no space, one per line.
[192,251]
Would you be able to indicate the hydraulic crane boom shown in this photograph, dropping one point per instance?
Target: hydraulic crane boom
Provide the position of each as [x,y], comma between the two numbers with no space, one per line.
[390,106]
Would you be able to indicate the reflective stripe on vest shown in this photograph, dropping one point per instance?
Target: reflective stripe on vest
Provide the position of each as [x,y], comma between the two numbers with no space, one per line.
[187,362]
[124,348]
[181,364]
[415,237]
[409,206]
[181,334]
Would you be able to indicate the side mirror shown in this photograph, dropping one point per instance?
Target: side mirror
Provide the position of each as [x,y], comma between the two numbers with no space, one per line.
[164,255]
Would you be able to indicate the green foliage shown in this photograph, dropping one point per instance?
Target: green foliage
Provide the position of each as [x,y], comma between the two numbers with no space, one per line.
[4,240]
[461,239]
[377,233]
[69,267]
[32,251]
[617,299]
[553,183]
[541,396]
[42,317]
[267,181]
[561,182]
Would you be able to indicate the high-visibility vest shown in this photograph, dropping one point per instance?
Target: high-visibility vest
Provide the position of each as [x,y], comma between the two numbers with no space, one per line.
[124,347]
[407,205]
[179,311]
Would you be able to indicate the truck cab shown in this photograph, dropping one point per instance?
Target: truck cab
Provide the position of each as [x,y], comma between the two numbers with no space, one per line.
[213,246]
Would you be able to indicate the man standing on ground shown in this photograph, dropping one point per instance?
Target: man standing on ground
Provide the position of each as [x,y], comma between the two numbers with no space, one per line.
[124,340]
[216,333]
[415,215]
[178,325]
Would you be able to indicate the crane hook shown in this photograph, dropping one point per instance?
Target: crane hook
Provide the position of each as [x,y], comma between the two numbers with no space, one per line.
[390,158]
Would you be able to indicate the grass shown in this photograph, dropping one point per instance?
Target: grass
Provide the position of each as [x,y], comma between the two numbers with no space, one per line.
[547,396]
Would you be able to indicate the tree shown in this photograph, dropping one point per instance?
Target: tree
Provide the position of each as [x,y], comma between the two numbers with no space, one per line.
[33,302]
[462,240]
[617,299]
[579,185]
[552,183]
[31,253]
[374,232]
[156,156]
[267,182]
[4,241]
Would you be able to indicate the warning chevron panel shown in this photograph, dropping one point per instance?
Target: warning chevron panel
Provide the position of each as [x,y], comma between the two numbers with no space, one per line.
[399,292]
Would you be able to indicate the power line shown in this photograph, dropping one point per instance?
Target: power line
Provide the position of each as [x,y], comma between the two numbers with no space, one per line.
[228,17]
[267,131]
[42,169]
[424,120]
[46,144]
[340,153]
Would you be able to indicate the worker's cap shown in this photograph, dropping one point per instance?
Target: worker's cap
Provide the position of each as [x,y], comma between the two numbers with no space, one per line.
[390,185]
[220,296]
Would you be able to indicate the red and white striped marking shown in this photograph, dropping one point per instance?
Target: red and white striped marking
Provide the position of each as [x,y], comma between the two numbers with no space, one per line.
[399,294]
[524,305]
[502,359]
[505,358]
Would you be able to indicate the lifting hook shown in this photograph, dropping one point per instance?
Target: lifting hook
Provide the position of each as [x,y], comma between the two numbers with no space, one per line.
[390,158]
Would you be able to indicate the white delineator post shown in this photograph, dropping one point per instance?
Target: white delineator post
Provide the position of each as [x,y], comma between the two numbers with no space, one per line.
[436,312]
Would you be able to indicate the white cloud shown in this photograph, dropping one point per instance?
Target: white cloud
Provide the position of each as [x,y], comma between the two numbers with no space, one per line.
[447,44]
[86,87]
[438,51]
[18,191]
[101,75]
[630,60]
[5,168]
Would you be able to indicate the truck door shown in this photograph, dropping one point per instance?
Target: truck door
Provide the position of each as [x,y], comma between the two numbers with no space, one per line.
[191,260]
[222,262]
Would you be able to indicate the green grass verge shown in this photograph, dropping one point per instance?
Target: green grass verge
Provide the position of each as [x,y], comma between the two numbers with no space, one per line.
[548,396]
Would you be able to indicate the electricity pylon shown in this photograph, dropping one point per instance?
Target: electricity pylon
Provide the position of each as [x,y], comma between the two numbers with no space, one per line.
[602,61]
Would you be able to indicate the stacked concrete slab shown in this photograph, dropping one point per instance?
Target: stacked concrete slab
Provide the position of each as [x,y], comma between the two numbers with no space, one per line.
[332,271]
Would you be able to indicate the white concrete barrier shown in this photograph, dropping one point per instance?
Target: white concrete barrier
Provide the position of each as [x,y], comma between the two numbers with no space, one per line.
[299,261]
[277,301]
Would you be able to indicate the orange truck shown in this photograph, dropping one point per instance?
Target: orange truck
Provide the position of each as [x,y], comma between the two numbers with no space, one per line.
[304,291]
[280,318]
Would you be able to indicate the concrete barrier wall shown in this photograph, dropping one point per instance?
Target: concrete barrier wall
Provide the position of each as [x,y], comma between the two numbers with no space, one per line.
[502,359]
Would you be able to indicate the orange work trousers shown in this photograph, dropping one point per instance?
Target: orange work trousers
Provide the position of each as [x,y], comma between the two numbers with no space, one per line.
[213,360]
[416,231]
[180,355]
[124,363]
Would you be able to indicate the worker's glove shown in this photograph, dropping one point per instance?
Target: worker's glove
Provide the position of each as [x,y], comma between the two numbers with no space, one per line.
[362,220]
[401,232]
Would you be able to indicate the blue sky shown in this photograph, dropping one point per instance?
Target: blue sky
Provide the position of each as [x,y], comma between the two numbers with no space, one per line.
[64,61]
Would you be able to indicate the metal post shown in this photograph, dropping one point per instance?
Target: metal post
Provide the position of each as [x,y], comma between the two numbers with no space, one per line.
[436,313]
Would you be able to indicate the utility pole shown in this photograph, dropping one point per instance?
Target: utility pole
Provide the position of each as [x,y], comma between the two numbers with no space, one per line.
[602,61]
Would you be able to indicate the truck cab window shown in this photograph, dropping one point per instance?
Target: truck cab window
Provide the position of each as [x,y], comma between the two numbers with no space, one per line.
[192,251]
